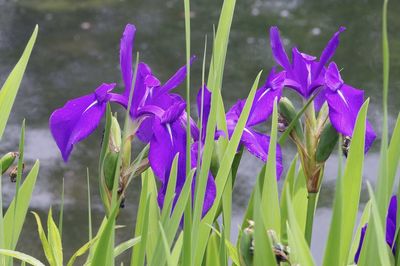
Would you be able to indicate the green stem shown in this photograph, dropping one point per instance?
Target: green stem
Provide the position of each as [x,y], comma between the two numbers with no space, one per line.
[312,198]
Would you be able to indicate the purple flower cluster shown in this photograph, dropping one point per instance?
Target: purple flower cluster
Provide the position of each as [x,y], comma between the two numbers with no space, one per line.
[160,119]
[305,74]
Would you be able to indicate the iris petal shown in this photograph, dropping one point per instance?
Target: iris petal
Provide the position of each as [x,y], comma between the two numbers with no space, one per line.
[78,118]
[278,50]
[126,47]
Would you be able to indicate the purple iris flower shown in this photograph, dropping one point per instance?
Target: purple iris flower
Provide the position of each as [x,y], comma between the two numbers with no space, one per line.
[391,222]
[305,75]
[255,142]
[79,117]
[169,139]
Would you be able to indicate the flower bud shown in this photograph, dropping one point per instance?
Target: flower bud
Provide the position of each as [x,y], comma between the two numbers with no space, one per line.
[246,248]
[109,168]
[115,135]
[288,112]
[327,142]
[7,160]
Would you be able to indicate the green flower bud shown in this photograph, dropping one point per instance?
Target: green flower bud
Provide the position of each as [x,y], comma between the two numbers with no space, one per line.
[109,168]
[7,160]
[327,141]
[115,135]
[246,247]
[288,113]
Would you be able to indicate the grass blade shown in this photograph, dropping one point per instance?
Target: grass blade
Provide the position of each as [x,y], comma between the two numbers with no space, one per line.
[10,88]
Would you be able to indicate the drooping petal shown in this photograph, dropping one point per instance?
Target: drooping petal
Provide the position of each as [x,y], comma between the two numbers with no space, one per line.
[357,255]
[175,80]
[78,118]
[329,50]
[125,56]
[161,150]
[278,50]
[264,99]
[258,145]
[344,105]
[391,221]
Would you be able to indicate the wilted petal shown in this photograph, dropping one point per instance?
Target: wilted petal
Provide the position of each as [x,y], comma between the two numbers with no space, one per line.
[329,50]
[258,145]
[278,50]
[125,55]
[78,118]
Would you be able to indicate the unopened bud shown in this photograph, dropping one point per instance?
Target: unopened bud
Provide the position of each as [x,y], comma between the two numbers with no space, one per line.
[246,247]
[7,160]
[288,112]
[115,135]
[327,142]
[109,168]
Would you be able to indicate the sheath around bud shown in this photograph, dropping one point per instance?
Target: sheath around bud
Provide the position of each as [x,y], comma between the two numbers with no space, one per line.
[327,142]
[109,167]
[288,112]
[7,160]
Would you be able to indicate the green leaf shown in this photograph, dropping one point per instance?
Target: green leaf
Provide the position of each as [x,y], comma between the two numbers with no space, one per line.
[21,256]
[166,245]
[348,195]
[172,224]
[148,193]
[82,250]
[10,88]
[213,252]
[300,252]
[378,228]
[263,254]
[24,198]
[170,193]
[103,254]
[124,246]
[202,231]
[356,241]
[269,198]
[54,239]
[394,153]
[288,188]
[45,244]
[300,200]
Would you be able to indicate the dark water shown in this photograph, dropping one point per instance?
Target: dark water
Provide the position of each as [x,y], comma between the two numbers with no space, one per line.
[78,48]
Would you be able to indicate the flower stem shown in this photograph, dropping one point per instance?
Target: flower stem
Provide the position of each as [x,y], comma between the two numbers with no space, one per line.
[312,198]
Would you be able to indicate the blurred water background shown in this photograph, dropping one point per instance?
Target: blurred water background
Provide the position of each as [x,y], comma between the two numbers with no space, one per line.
[78,48]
